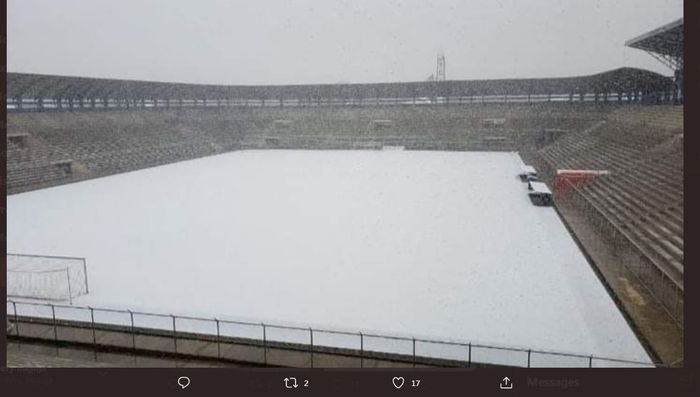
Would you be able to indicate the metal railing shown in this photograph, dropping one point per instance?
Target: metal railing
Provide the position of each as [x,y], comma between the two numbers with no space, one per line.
[270,344]
[69,104]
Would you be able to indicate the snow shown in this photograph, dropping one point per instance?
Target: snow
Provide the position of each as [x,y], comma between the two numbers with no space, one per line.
[539,188]
[392,242]
[527,170]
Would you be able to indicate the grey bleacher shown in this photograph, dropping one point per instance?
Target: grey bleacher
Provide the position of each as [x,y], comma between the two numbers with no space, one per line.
[643,193]
[33,164]
[108,142]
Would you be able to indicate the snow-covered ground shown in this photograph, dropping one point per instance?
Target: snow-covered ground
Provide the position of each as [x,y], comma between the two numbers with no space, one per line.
[439,245]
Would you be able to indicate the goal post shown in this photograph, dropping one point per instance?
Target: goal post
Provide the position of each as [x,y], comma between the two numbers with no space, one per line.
[57,278]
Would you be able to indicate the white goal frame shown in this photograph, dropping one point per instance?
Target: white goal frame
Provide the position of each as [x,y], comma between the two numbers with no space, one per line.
[44,277]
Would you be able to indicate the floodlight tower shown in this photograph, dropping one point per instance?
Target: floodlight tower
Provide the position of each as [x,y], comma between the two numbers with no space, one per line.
[440,73]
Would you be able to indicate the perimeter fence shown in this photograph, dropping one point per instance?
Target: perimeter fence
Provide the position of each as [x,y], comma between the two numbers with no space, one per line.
[270,344]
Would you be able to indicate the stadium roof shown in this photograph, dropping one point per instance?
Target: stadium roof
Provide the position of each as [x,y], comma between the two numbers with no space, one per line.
[666,40]
[23,85]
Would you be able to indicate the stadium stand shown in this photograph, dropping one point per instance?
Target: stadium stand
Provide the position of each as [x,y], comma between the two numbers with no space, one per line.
[642,195]
[661,117]
[30,92]
[31,163]
[66,129]
[666,45]
[104,143]
[576,123]
[630,216]
[108,126]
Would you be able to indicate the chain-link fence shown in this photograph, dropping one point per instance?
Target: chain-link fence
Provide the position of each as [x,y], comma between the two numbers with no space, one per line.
[269,344]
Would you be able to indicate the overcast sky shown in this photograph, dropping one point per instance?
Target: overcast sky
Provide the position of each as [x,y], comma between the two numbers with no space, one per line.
[328,41]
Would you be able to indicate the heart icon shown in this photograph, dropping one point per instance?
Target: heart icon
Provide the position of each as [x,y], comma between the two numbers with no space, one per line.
[397,381]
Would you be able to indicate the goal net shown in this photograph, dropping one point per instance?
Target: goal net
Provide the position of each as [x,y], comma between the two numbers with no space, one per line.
[46,277]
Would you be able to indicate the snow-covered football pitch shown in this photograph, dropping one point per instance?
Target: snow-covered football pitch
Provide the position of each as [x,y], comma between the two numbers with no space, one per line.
[436,245]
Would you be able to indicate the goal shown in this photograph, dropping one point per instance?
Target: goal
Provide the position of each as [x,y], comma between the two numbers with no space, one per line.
[54,278]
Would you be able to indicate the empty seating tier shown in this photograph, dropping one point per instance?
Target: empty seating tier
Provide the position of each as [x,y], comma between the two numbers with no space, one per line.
[643,192]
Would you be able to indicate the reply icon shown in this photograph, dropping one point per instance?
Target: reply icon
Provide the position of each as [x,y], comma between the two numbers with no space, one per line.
[183,381]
